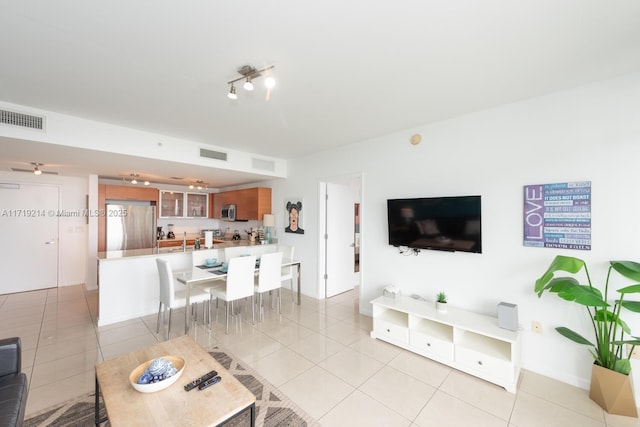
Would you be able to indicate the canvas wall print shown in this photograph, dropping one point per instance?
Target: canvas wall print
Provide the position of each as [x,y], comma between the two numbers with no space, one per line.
[293,209]
[558,215]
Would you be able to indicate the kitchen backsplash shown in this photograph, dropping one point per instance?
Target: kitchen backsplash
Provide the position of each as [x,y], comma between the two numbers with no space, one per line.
[194,226]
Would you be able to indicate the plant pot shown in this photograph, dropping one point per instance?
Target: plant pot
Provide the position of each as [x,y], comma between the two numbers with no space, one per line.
[612,391]
[441,307]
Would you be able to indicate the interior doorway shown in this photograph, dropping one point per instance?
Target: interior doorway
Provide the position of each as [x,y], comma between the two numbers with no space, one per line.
[340,207]
[29,223]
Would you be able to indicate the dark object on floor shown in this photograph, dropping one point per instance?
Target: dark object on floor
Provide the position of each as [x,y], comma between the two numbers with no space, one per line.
[13,383]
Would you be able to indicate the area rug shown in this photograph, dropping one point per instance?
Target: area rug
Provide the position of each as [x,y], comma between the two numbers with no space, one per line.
[273,408]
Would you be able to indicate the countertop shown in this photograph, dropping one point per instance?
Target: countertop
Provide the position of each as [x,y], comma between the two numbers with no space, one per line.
[112,255]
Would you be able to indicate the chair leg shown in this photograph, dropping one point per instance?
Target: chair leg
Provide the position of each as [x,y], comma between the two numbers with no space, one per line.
[279,300]
[292,298]
[169,327]
[158,321]
[226,315]
[253,312]
[210,305]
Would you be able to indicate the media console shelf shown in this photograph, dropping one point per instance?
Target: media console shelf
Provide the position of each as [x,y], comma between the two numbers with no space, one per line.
[470,342]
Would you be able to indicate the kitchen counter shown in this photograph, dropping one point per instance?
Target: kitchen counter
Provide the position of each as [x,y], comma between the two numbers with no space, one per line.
[128,280]
[218,244]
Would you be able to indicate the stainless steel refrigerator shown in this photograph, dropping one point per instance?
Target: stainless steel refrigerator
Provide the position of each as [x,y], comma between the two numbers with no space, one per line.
[131,225]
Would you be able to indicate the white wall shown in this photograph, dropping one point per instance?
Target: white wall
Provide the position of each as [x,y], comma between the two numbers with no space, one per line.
[590,133]
[73,131]
[72,231]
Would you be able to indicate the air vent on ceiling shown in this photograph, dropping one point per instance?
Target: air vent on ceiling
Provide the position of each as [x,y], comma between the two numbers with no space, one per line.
[265,165]
[31,171]
[23,120]
[210,154]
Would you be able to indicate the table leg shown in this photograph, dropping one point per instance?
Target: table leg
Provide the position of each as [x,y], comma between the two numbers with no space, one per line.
[253,414]
[186,308]
[298,283]
[97,404]
[96,407]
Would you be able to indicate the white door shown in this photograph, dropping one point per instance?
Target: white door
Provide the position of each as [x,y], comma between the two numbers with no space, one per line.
[340,255]
[30,231]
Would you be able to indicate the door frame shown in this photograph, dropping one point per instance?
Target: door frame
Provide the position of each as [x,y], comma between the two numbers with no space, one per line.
[51,213]
[355,179]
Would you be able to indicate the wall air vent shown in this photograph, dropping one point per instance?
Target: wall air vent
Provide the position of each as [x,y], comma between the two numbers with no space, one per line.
[22,120]
[210,154]
[265,165]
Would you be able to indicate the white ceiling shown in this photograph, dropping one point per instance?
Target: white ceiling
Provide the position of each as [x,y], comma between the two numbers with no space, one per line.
[346,71]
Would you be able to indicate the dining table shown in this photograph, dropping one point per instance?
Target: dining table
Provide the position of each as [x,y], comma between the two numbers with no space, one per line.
[202,274]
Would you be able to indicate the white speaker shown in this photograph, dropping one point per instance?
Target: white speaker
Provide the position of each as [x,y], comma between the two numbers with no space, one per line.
[508,316]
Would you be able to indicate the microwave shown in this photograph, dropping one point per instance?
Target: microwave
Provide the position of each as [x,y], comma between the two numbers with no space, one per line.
[228,213]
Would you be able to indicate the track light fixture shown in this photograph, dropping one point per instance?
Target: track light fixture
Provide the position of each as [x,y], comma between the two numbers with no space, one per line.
[232,92]
[200,184]
[248,85]
[248,74]
[36,169]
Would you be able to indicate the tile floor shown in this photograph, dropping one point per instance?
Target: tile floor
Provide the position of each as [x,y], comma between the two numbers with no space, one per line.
[319,354]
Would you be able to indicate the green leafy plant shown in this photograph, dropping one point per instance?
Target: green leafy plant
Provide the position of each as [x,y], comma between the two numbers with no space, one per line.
[609,329]
[441,297]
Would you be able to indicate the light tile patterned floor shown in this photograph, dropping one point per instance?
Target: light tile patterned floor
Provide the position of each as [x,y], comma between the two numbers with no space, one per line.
[319,354]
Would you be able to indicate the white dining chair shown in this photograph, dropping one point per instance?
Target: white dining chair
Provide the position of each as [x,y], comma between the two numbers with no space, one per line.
[268,279]
[171,298]
[235,251]
[287,272]
[198,259]
[238,285]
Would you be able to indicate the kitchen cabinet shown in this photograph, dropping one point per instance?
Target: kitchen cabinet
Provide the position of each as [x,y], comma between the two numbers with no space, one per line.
[125,192]
[191,241]
[171,204]
[251,203]
[197,205]
[470,342]
[177,204]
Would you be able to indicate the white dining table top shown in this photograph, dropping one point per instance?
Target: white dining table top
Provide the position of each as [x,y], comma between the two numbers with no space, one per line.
[198,274]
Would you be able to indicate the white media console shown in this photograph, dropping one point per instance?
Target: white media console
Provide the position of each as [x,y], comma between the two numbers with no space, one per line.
[470,342]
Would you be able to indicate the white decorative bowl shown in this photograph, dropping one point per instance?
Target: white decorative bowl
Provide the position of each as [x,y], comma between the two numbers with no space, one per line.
[177,362]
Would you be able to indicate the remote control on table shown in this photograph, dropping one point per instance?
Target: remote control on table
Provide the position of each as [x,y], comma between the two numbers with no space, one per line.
[195,383]
[209,382]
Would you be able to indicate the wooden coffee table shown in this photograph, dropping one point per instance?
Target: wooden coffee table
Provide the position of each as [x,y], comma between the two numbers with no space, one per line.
[172,406]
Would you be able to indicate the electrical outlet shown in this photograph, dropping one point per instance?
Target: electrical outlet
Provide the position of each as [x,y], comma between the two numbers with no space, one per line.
[636,351]
[536,327]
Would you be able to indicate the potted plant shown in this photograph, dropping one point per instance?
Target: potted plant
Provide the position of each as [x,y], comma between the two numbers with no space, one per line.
[608,342]
[441,302]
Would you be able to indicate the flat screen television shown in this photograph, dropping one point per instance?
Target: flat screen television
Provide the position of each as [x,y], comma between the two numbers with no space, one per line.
[440,223]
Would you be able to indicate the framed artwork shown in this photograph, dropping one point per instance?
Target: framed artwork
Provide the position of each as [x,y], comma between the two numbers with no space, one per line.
[558,215]
[293,211]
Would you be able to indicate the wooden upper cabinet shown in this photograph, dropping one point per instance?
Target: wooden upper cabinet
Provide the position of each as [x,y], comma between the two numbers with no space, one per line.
[218,200]
[251,203]
[242,201]
[126,192]
[258,202]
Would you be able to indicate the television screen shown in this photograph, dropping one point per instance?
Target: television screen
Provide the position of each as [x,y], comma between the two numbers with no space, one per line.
[440,223]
